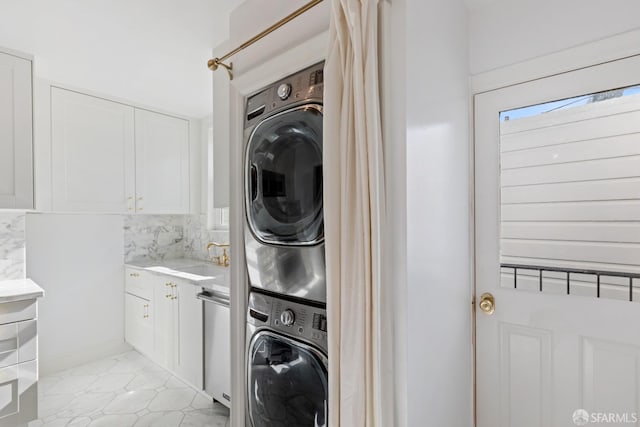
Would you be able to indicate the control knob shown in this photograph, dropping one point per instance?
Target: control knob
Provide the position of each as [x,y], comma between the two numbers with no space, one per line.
[287,317]
[284,90]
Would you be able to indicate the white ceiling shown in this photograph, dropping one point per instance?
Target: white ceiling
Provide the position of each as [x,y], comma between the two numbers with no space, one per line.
[152,52]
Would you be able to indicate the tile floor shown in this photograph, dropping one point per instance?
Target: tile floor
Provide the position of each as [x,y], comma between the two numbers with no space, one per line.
[122,391]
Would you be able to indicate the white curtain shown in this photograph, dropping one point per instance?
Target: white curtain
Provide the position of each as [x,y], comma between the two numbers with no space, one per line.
[354,212]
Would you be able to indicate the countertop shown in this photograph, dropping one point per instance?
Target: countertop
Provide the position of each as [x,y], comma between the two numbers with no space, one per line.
[197,272]
[19,290]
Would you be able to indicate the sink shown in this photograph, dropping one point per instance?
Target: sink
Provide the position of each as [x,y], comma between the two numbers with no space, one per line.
[207,270]
[203,273]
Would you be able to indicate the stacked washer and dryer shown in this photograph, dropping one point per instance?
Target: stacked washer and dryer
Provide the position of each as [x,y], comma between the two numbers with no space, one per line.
[287,362]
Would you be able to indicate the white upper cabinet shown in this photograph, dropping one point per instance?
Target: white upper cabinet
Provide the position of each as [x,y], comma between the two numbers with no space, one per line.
[162,163]
[111,157]
[16,133]
[92,153]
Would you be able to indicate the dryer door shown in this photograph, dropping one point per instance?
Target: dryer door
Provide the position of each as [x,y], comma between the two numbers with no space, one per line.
[284,178]
[288,384]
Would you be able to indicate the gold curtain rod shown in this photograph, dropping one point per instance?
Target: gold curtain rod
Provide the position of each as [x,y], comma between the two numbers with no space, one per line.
[214,63]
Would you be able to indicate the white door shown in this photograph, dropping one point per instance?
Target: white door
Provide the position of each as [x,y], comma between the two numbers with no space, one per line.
[559,191]
[16,154]
[92,153]
[162,163]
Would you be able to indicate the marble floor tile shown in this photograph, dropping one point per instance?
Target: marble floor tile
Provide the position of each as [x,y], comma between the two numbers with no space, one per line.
[148,381]
[123,420]
[130,402]
[86,404]
[122,391]
[73,384]
[113,382]
[172,399]
[161,419]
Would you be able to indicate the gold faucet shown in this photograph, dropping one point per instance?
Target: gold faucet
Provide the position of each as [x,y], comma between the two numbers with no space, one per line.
[222,260]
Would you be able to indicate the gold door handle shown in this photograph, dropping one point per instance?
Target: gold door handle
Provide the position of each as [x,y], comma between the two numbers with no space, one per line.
[146,311]
[487,303]
[134,274]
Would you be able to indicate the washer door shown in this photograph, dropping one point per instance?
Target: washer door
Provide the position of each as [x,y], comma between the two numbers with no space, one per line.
[284,178]
[287,383]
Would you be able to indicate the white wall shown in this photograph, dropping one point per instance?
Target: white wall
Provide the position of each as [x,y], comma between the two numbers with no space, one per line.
[150,52]
[505,32]
[78,261]
[439,376]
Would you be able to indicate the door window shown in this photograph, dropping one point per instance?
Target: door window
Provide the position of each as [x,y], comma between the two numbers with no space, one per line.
[569,183]
[284,178]
[287,384]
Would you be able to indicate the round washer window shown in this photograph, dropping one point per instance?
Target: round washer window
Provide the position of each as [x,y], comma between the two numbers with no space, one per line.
[287,384]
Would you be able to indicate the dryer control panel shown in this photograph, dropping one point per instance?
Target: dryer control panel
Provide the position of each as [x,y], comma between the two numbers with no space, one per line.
[298,320]
[304,86]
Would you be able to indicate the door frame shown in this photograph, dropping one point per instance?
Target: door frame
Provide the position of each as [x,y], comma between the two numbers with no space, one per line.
[608,50]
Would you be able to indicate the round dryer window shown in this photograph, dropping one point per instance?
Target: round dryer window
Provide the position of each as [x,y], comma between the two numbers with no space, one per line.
[287,383]
[284,178]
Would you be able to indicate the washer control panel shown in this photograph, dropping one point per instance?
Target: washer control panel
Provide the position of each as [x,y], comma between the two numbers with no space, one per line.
[292,318]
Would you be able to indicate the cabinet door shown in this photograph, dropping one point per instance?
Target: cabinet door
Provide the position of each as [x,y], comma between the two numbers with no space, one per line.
[189,349]
[92,153]
[164,325]
[138,323]
[16,130]
[162,163]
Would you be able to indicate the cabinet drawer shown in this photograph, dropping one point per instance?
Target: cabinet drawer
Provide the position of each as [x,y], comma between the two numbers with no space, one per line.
[17,343]
[18,394]
[17,311]
[138,283]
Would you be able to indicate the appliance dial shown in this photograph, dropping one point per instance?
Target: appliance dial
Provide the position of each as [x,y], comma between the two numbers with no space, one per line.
[284,90]
[287,318]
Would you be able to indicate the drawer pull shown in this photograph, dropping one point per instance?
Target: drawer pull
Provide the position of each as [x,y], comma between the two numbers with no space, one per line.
[134,274]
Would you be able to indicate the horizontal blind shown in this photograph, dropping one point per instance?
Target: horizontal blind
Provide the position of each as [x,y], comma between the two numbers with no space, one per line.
[570,188]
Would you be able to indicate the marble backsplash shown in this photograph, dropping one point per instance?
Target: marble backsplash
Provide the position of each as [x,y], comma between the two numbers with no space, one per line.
[153,237]
[196,237]
[12,245]
[158,237]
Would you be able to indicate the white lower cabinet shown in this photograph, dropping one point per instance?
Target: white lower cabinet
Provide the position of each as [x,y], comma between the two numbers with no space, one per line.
[18,362]
[189,346]
[172,333]
[138,323]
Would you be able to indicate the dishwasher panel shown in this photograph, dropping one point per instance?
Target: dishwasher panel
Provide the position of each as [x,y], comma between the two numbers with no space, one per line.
[217,347]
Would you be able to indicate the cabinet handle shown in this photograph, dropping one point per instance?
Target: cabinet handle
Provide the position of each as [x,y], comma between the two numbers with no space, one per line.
[140,198]
[146,311]
[168,295]
[134,274]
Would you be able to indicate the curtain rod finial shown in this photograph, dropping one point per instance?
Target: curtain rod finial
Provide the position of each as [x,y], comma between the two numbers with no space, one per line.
[214,63]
